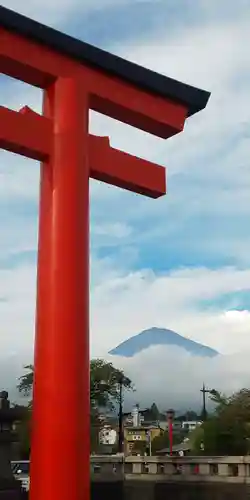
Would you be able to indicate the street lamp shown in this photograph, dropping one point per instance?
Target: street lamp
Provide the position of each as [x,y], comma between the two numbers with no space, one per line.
[170,418]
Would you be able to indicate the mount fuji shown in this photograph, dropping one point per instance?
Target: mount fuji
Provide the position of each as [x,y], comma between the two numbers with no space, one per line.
[160,336]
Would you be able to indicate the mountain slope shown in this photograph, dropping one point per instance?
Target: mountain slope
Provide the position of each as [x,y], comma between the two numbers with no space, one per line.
[160,336]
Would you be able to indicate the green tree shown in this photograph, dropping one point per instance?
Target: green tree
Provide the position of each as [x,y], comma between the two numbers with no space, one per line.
[162,441]
[105,381]
[191,415]
[196,440]
[155,414]
[218,398]
[225,437]
[25,384]
[227,432]
[140,447]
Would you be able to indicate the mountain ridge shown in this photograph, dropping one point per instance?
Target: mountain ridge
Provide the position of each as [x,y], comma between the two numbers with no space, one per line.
[160,336]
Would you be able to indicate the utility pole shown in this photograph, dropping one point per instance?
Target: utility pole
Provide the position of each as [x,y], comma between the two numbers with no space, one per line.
[204,392]
[120,430]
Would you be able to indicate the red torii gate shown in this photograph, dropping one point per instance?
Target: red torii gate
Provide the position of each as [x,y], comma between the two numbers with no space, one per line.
[75,77]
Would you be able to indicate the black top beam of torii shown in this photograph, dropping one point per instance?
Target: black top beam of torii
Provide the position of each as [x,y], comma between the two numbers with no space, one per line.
[148,80]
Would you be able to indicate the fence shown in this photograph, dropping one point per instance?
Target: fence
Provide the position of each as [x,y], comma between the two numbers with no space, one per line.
[198,469]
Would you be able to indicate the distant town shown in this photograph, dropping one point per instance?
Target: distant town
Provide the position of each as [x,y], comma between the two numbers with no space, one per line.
[145,431]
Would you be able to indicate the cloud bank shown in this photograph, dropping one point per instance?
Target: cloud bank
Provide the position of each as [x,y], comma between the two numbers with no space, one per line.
[172,378]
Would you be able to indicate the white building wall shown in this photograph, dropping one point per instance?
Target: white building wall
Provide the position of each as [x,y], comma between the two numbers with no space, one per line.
[190,425]
[108,436]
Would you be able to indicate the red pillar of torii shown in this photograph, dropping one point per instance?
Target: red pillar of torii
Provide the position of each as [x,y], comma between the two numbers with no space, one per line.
[75,77]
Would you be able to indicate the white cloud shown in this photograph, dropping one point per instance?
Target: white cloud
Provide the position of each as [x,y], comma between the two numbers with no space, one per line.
[213,57]
[236,316]
[17,310]
[126,304]
[123,304]
[172,378]
[117,230]
[56,12]
[207,165]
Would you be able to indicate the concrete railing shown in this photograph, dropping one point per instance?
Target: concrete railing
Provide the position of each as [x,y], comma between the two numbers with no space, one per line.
[199,469]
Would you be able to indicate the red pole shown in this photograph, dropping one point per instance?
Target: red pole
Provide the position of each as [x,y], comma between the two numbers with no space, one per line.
[60,446]
[43,303]
[170,416]
[171,437]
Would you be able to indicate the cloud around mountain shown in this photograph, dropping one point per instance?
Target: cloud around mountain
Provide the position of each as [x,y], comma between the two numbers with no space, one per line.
[170,369]
[172,377]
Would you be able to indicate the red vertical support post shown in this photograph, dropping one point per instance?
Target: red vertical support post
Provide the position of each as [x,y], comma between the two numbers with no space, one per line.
[44,232]
[170,416]
[60,454]
[42,350]
[171,437]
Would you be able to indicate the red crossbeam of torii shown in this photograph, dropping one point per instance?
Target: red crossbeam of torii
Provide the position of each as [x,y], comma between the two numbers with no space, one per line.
[75,77]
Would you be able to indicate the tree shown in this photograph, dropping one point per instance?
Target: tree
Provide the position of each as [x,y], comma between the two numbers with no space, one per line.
[218,398]
[162,441]
[25,384]
[105,382]
[227,432]
[22,429]
[234,407]
[237,406]
[155,414]
[225,437]
[152,414]
[188,416]
[196,440]
[140,447]
[191,415]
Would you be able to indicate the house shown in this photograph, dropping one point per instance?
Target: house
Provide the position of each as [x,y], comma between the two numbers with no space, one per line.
[139,428]
[107,435]
[142,434]
[191,425]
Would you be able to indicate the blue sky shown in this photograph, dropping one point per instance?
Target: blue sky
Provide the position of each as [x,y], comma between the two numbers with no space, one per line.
[179,262]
